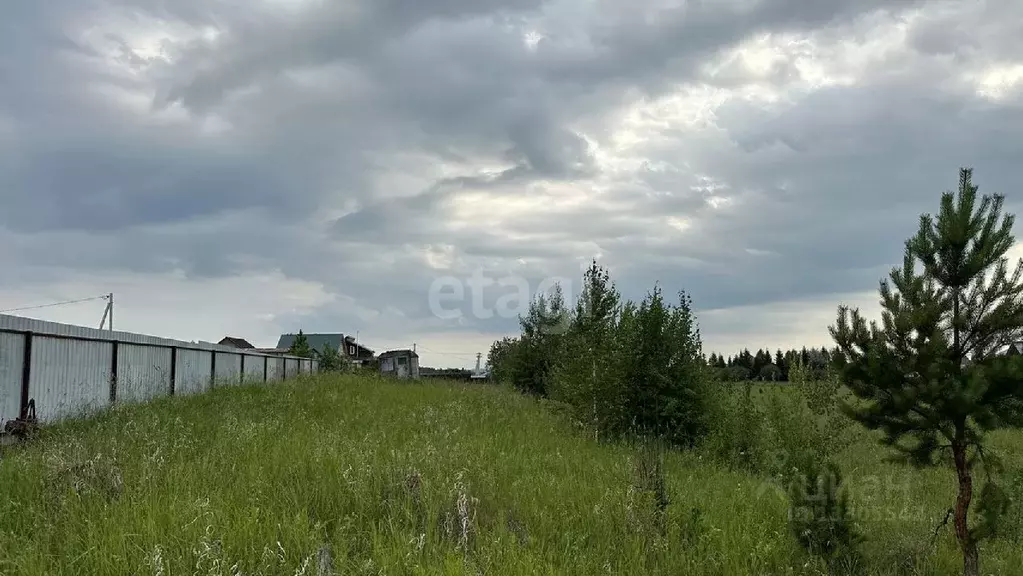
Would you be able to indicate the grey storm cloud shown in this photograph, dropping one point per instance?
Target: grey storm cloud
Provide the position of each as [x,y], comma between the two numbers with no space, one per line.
[345,143]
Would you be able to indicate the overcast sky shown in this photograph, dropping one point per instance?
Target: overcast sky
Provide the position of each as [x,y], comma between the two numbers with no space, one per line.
[249,168]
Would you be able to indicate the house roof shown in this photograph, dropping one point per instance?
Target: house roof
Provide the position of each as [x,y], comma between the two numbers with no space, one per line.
[316,341]
[351,341]
[236,342]
[405,352]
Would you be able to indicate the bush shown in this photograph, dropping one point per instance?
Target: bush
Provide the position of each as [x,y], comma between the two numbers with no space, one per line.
[792,439]
[649,486]
[819,516]
[737,436]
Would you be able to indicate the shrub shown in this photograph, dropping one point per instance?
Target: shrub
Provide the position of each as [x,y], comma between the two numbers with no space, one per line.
[650,487]
[819,515]
[737,435]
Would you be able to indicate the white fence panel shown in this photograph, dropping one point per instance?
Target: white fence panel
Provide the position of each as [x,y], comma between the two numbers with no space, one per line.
[229,369]
[275,369]
[290,367]
[69,378]
[254,368]
[192,372]
[12,368]
[143,372]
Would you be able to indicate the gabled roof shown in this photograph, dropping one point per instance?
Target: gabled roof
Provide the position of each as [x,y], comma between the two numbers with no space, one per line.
[349,340]
[405,352]
[236,342]
[316,341]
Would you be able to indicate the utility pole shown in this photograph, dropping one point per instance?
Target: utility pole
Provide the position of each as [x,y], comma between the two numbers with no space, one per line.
[108,312]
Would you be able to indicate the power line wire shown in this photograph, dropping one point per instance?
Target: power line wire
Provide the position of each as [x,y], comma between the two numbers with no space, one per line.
[463,355]
[449,353]
[54,304]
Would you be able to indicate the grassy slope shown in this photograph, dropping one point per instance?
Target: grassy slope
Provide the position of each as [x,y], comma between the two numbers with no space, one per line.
[261,477]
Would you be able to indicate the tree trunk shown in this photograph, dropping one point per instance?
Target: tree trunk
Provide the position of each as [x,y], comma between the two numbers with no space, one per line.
[971,560]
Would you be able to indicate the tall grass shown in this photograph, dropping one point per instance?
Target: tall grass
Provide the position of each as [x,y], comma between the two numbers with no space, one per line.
[355,475]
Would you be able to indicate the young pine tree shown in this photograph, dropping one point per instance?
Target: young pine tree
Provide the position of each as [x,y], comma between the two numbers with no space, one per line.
[932,377]
[300,346]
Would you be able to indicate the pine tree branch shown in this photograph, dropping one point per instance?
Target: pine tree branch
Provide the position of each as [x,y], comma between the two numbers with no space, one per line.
[942,524]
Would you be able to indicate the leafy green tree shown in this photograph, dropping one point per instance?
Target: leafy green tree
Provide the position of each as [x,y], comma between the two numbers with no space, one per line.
[737,373]
[666,379]
[539,346]
[770,373]
[931,377]
[588,373]
[300,346]
[330,359]
[501,357]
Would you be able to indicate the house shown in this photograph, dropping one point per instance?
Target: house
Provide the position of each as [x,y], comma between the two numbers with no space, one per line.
[345,345]
[235,342]
[400,363]
[358,353]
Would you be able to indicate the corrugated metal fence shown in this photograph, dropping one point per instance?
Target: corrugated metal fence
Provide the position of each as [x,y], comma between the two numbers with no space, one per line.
[73,371]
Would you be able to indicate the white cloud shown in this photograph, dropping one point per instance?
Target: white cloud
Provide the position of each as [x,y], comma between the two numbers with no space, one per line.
[320,165]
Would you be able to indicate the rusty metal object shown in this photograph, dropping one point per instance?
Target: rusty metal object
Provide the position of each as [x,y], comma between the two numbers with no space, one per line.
[25,426]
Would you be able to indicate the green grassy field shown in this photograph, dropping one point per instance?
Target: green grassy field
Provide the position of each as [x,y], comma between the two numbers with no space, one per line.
[398,478]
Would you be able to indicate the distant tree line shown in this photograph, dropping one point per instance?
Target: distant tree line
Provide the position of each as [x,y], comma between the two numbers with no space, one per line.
[764,366]
[740,367]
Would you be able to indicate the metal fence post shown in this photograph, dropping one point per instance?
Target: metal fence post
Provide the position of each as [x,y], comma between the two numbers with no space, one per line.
[26,374]
[174,368]
[113,371]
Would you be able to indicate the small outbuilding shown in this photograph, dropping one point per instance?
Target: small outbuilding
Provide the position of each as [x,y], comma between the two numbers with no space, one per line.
[236,342]
[399,363]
